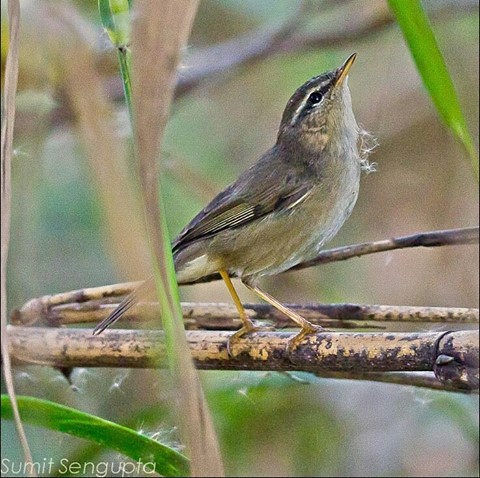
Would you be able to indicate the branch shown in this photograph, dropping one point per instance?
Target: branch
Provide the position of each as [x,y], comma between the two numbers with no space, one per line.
[207,62]
[414,379]
[350,24]
[94,304]
[322,353]
[455,361]
[448,237]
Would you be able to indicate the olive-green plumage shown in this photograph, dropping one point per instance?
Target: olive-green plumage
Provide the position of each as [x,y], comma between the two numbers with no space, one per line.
[287,205]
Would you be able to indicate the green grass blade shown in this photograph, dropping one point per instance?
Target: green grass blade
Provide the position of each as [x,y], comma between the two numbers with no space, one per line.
[115,18]
[53,416]
[124,59]
[432,68]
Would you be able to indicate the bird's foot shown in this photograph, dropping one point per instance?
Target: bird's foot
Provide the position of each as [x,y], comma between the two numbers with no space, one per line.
[296,340]
[248,328]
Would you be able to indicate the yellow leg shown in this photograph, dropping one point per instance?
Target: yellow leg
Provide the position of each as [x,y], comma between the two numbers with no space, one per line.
[307,327]
[248,326]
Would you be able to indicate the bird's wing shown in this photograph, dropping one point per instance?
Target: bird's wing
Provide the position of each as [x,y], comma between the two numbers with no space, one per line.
[229,210]
[225,211]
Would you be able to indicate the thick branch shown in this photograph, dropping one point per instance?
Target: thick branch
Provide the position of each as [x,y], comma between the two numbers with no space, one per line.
[320,353]
[452,356]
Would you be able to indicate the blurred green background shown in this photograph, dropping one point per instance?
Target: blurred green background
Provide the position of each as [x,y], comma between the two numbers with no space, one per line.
[268,424]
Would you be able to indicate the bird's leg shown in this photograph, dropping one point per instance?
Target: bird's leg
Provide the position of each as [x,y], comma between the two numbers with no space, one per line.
[247,325]
[307,327]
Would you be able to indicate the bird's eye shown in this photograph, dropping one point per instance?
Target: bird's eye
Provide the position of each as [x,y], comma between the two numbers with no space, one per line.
[315,98]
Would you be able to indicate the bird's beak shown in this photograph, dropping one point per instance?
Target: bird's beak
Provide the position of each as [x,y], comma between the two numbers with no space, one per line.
[342,72]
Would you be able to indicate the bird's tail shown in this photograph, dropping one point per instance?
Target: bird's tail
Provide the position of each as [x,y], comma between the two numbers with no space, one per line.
[125,305]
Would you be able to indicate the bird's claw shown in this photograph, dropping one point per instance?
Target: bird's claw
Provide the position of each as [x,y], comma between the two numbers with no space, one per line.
[248,328]
[296,340]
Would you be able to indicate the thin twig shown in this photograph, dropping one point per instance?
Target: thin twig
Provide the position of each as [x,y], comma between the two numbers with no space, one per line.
[448,237]
[8,121]
[415,379]
[351,24]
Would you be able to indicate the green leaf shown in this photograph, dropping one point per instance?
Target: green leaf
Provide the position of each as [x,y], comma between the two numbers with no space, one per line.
[46,414]
[115,17]
[430,64]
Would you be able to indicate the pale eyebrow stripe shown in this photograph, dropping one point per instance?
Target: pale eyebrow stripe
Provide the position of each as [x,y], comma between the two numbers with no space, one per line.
[305,99]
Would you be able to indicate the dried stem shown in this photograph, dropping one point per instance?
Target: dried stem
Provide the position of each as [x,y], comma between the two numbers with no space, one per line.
[160,33]
[415,379]
[456,369]
[322,353]
[93,305]
[8,121]
[448,237]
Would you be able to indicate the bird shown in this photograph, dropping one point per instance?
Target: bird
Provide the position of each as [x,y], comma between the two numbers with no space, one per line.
[284,208]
